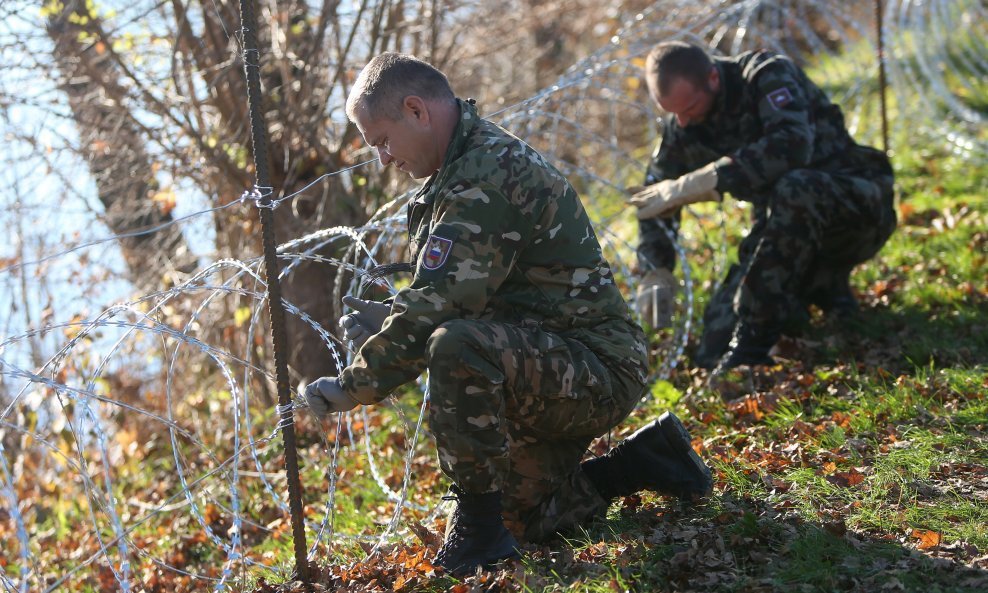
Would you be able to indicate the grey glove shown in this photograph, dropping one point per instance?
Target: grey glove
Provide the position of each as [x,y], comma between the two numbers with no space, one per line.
[365,321]
[326,396]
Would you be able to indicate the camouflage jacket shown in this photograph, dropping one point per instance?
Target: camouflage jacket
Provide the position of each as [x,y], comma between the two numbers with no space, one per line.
[768,118]
[497,233]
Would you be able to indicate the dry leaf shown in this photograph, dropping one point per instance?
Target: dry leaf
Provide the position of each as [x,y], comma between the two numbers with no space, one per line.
[927,539]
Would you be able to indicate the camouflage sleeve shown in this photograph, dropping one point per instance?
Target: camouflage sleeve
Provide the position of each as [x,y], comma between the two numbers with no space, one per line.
[655,246]
[475,240]
[667,158]
[655,242]
[786,140]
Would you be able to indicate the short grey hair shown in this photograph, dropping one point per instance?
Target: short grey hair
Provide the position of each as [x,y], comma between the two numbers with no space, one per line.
[390,77]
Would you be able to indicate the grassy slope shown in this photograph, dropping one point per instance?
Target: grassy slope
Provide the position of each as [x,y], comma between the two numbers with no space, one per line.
[860,464]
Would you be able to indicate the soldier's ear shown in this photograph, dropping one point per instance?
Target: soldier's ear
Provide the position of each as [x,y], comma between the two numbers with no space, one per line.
[416,108]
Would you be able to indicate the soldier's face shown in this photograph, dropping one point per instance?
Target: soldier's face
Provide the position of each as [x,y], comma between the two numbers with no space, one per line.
[408,142]
[688,102]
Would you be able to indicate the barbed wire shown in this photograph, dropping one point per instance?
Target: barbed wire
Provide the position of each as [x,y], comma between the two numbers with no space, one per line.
[68,420]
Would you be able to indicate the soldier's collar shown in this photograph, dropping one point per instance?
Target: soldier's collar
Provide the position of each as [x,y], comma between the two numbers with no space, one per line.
[466,124]
[727,103]
[720,99]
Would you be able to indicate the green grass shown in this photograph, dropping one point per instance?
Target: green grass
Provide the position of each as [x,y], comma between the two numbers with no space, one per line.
[858,467]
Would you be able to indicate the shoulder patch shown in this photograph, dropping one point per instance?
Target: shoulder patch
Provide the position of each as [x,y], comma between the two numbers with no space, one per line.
[436,251]
[779,98]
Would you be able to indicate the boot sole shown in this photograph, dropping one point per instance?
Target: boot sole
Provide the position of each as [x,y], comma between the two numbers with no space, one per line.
[488,565]
[505,547]
[679,439]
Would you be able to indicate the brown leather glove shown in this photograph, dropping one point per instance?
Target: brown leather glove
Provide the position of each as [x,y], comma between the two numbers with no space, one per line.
[669,194]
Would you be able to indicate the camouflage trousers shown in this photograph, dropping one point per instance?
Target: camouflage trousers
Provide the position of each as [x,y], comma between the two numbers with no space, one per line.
[514,408]
[808,235]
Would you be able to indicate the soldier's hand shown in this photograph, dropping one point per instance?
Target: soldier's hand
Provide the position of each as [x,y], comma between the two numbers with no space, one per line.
[667,195]
[657,202]
[326,396]
[365,321]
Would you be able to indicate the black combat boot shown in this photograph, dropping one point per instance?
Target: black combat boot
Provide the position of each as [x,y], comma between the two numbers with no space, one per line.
[713,344]
[477,536]
[750,346]
[840,303]
[835,297]
[657,457]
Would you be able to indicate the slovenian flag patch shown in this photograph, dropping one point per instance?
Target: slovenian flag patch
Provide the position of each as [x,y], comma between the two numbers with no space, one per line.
[779,98]
[435,253]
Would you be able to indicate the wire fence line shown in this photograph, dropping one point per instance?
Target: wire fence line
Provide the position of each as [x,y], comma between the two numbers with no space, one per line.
[70,423]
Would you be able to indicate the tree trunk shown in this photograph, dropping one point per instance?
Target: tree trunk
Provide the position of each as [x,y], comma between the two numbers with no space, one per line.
[110,140]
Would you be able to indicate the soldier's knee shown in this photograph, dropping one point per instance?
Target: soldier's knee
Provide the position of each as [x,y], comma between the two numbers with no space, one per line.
[449,340]
[461,348]
[792,189]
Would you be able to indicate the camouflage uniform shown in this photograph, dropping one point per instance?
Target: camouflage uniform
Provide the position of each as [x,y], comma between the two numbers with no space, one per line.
[822,203]
[530,346]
